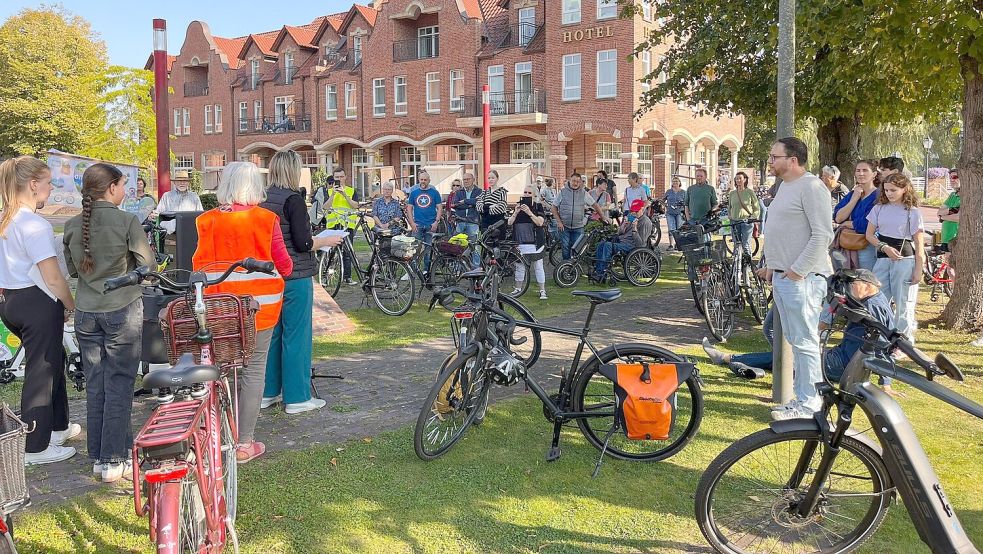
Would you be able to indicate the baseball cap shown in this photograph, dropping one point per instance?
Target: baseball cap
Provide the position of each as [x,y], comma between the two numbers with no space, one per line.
[864,275]
[637,205]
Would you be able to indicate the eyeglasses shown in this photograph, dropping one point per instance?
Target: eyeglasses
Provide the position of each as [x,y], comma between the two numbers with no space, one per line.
[772,157]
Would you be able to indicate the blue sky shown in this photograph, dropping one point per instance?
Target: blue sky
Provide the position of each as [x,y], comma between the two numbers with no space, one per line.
[126,27]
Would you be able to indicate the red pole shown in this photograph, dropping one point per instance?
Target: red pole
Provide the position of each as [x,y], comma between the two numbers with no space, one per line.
[160,105]
[486,133]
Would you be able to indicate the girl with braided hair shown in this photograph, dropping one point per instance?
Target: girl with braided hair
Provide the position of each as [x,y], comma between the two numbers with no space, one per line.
[101,243]
[35,301]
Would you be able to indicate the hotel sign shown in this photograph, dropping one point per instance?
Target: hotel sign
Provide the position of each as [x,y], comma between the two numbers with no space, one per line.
[589,33]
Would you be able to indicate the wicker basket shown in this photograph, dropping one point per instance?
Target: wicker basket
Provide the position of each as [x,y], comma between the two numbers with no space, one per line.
[13,439]
[449,248]
[231,320]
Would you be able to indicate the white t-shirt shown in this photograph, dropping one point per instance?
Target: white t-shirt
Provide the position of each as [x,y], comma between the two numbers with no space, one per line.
[30,239]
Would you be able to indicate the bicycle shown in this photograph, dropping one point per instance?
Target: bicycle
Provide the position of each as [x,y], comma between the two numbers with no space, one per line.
[640,266]
[705,262]
[156,235]
[73,360]
[937,271]
[811,484]
[13,484]
[730,241]
[744,286]
[460,394]
[185,473]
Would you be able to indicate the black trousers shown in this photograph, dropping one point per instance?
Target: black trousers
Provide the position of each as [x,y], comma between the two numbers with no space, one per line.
[38,322]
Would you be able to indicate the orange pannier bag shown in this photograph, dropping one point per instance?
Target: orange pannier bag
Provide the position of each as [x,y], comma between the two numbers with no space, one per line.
[646,397]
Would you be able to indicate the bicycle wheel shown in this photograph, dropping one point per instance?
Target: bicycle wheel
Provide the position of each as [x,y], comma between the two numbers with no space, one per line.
[180,507]
[392,286]
[592,392]
[746,498]
[7,544]
[642,267]
[530,350]
[656,237]
[556,254]
[446,271]
[756,294]
[451,406]
[230,467]
[696,291]
[566,274]
[508,263]
[330,271]
[720,320]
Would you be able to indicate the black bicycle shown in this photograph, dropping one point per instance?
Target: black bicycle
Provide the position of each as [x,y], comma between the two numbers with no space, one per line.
[459,396]
[812,484]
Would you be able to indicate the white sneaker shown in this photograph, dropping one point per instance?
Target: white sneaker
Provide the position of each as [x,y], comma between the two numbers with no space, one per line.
[97,468]
[58,438]
[801,411]
[542,295]
[270,401]
[50,455]
[114,472]
[791,404]
[515,292]
[301,407]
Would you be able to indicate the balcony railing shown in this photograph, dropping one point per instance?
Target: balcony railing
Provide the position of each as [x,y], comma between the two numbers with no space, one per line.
[196,88]
[520,34]
[272,125]
[286,75]
[249,81]
[507,103]
[346,60]
[416,49]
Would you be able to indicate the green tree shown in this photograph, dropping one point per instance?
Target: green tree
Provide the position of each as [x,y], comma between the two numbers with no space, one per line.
[722,57]
[52,72]
[127,110]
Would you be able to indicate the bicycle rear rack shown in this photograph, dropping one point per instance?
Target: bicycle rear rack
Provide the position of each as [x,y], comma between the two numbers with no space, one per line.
[166,435]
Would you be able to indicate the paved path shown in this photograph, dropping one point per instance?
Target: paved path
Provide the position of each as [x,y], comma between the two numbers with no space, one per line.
[384,390]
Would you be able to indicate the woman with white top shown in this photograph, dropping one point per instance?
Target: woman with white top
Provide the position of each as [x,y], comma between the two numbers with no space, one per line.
[527,229]
[35,302]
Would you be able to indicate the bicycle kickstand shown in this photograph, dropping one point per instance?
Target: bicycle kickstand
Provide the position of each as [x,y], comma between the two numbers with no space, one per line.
[316,375]
[553,454]
[604,449]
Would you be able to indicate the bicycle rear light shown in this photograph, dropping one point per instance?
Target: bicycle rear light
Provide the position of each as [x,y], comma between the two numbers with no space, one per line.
[167,473]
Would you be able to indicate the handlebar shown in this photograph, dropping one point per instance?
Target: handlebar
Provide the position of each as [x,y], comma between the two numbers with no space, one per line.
[137,276]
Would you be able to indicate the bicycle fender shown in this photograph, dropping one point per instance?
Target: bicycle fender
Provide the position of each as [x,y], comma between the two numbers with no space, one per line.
[793,425]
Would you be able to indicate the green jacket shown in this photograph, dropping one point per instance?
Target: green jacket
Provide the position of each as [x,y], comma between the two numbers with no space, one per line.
[117,244]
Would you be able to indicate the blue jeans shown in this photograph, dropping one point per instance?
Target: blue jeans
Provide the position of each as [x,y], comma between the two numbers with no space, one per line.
[288,365]
[425,236]
[605,251]
[867,257]
[110,346]
[568,237]
[895,278]
[673,222]
[471,230]
[799,304]
[742,235]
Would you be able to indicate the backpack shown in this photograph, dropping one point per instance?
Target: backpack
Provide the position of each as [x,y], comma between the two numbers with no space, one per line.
[646,397]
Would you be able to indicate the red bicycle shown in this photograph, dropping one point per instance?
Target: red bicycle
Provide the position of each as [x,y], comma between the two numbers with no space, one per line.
[937,271]
[185,476]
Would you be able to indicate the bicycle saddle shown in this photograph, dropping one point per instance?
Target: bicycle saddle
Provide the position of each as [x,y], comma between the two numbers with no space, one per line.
[599,296]
[184,373]
[478,273]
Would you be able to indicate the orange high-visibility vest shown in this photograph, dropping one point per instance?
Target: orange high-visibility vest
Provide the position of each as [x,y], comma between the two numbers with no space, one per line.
[226,237]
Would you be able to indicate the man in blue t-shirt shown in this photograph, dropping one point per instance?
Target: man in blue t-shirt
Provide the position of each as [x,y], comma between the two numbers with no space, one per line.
[424,210]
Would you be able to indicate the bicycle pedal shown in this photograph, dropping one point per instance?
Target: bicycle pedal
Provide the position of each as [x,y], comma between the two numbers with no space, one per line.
[553,454]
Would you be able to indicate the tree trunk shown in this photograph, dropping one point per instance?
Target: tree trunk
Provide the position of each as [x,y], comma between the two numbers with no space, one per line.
[965,308]
[839,145]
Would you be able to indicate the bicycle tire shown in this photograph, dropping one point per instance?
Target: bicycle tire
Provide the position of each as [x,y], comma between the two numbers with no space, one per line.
[387,283]
[230,466]
[7,544]
[756,294]
[642,267]
[556,254]
[330,271]
[720,321]
[601,397]
[729,243]
[507,269]
[180,507]
[453,395]
[696,293]
[445,271]
[656,237]
[738,455]
[566,274]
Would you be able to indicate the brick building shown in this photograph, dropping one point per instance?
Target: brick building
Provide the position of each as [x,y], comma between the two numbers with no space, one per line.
[399,84]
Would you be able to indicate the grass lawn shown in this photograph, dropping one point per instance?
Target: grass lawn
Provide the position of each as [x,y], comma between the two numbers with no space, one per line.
[495,493]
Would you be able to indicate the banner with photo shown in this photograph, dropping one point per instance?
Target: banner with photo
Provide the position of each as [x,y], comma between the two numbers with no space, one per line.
[66,178]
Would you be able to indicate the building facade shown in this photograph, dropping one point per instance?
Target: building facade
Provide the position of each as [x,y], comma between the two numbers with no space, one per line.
[399,84]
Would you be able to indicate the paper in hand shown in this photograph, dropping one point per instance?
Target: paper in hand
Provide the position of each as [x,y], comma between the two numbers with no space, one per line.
[330,233]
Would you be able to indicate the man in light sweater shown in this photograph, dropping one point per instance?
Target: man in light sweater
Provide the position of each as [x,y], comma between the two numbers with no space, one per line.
[797,266]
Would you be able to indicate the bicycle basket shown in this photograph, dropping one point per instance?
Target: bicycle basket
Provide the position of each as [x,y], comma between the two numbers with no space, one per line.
[718,251]
[697,255]
[231,320]
[689,238]
[449,248]
[13,439]
[403,247]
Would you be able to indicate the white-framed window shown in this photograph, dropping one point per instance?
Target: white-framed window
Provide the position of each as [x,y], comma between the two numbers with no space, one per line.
[283,108]
[379,97]
[258,114]
[663,77]
[571,77]
[525,99]
[177,122]
[571,11]
[411,160]
[645,154]
[427,42]
[218,118]
[606,9]
[529,153]
[183,162]
[330,102]
[607,73]
[527,25]
[187,120]
[433,92]
[357,48]
[703,158]
[253,74]
[288,68]
[646,58]
[213,160]
[608,156]
[453,154]
[243,117]
[209,128]
[399,95]
[647,10]
[351,101]
[457,90]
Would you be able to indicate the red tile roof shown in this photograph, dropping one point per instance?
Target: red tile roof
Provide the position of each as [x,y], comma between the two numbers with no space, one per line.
[303,36]
[472,8]
[368,13]
[231,48]
[263,41]
[491,8]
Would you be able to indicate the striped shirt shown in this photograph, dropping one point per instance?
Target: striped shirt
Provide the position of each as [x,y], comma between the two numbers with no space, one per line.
[494,200]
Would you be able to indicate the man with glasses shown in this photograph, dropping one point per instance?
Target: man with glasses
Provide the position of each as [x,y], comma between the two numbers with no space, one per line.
[341,199]
[424,210]
[949,211]
[467,215]
[797,266]
[701,198]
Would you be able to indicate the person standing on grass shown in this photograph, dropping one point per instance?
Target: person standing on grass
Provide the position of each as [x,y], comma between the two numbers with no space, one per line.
[602,198]
[675,199]
[385,209]
[570,212]
[466,215]
[528,229]
[797,266]
[423,211]
[851,212]
[831,177]
[343,215]
[896,230]
[109,326]
[949,211]
[288,366]
[35,302]
[701,198]
[742,204]
[238,228]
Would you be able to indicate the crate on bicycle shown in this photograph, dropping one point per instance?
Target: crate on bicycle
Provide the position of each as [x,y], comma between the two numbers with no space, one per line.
[400,247]
[231,320]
